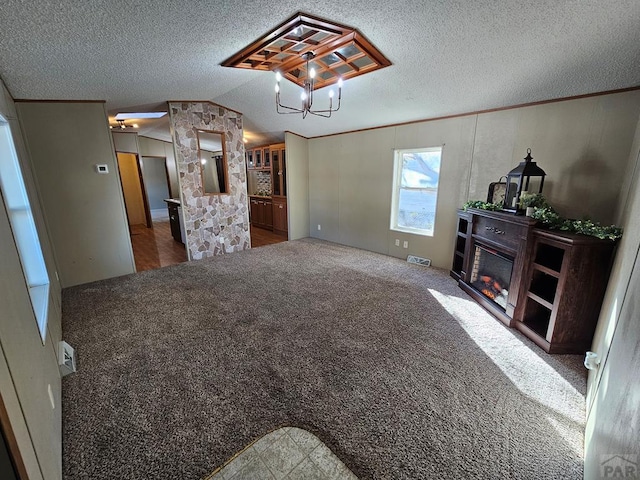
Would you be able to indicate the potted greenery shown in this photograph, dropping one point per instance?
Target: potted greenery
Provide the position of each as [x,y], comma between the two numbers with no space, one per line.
[531,201]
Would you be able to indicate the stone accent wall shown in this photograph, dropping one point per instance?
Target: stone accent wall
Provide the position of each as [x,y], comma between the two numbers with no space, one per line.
[214,224]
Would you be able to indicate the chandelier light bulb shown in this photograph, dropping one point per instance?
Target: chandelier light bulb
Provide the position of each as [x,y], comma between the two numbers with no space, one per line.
[278,76]
[307,82]
[135,125]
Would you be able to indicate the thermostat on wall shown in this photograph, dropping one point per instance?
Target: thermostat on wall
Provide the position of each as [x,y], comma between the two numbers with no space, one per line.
[103,168]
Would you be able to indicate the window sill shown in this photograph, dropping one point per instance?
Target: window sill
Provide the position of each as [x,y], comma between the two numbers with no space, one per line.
[413,231]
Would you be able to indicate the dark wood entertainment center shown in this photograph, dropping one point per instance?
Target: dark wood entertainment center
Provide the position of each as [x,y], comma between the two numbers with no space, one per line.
[547,284]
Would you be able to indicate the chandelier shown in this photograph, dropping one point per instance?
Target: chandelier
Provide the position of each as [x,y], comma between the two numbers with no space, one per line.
[307,94]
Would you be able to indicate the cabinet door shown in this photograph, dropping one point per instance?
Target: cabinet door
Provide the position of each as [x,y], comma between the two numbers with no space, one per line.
[254,211]
[260,217]
[268,214]
[275,173]
[283,173]
[280,215]
[257,157]
[250,159]
[266,160]
[174,223]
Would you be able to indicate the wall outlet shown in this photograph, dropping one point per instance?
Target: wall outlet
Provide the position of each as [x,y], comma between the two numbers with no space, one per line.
[405,244]
[319,227]
[397,242]
[102,169]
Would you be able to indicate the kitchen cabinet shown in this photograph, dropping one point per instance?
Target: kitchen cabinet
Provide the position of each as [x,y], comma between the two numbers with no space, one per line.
[259,158]
[278,170]
[261,211]
[280,223]
[175,220]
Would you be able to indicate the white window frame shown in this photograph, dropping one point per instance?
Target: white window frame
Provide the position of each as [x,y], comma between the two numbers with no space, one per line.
[16,203]
[395,199]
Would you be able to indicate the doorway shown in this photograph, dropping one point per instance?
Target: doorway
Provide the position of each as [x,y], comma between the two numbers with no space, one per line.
[146,187]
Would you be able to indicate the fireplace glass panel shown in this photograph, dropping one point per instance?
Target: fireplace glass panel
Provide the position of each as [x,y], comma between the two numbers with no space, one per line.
[491,275]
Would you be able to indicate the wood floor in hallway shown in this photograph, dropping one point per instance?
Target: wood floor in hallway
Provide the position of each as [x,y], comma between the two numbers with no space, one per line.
[155,247]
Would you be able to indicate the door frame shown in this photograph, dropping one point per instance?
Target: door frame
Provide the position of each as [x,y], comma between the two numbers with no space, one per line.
[145,200]
[11,442]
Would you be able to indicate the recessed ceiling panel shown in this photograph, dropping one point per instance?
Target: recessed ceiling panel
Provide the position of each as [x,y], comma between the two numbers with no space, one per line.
[340,51]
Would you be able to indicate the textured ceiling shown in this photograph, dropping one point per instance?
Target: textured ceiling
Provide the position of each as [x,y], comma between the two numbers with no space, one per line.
[447,56]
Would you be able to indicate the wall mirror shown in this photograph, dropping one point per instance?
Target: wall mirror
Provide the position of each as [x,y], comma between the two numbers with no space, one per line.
[213,162]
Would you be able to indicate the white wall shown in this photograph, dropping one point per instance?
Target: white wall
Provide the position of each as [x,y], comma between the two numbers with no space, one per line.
[582,144]
[84,210]
[27,367]
[297,163]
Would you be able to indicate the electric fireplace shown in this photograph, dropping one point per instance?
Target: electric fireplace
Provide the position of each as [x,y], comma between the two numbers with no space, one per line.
[547,284]
[491,274]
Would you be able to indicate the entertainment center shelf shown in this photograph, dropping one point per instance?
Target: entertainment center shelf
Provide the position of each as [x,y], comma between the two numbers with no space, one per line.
[547,284]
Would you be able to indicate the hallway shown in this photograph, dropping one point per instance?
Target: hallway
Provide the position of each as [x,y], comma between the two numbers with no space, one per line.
[155,247]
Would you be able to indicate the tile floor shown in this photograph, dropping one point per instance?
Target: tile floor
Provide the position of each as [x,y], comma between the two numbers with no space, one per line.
[287,453]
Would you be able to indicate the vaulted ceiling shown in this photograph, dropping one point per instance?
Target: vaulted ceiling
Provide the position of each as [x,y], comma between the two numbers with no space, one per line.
[447,56]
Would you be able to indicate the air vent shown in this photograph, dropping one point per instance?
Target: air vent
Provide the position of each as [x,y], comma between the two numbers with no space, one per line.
[425,262]
[66,358]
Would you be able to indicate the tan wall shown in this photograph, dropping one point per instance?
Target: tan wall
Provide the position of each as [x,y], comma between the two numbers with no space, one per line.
[27,367]
[613,389]
[582,144]
[297,158]
[128,167]
[126,142]
[629,218]
[150,147]
[84,210]
[350,186]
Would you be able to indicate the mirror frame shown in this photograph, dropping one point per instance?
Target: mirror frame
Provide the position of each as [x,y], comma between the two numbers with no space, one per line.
[224,159]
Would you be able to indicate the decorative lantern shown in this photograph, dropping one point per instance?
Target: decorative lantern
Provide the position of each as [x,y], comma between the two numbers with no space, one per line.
[525,178]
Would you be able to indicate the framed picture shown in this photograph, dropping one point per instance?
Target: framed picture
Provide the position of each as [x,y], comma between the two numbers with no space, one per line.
[497,191]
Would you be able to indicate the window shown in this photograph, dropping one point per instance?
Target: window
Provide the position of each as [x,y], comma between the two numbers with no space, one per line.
[23,227]
[415,190]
